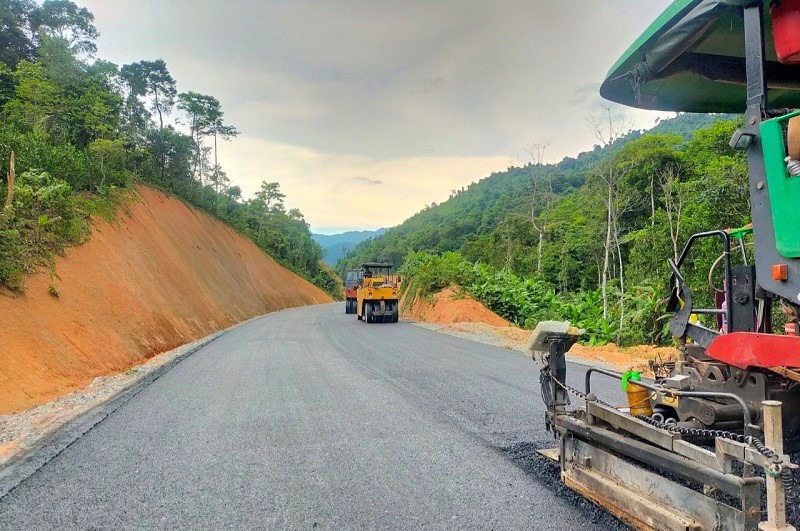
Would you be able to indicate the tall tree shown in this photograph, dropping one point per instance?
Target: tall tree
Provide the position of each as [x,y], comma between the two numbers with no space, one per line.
[201,111]
[151,79]
[218,129]
[270,197]
[675,195]
[65,20]
[607,128]
[60,62]
[15,38]
[542,196]
[134,119]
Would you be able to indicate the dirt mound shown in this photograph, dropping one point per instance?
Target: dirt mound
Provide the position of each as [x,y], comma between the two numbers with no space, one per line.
[449,306]
[161,275]
[463,316]
[636,357]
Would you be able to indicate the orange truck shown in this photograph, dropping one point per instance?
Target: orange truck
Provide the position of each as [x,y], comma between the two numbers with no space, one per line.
[352,278]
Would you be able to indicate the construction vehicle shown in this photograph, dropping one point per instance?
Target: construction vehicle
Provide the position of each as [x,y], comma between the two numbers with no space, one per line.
[352,278]
[700,443]
[377,295]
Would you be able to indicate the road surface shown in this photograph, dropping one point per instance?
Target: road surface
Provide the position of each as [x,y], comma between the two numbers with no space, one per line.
[308,418]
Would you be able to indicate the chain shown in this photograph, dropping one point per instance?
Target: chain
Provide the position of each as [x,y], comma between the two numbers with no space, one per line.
[572,390]
[775,469]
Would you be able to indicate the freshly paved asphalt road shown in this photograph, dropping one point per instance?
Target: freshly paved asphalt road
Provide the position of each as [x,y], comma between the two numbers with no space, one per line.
[309,418]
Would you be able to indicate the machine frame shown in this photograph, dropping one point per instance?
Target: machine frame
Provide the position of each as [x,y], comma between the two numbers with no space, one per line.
[721,414]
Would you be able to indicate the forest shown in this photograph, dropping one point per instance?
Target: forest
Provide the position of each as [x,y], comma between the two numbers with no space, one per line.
[586,239]
[77,133]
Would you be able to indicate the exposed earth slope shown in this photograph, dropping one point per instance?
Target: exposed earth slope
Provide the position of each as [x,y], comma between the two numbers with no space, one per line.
[161,275]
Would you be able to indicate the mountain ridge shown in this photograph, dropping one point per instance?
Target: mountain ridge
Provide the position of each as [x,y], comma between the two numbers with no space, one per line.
[476,210]
[335,246]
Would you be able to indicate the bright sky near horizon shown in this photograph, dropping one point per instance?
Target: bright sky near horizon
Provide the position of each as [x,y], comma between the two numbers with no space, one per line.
[367,111]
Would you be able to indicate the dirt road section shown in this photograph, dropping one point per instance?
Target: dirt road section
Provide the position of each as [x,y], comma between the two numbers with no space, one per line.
[161,275]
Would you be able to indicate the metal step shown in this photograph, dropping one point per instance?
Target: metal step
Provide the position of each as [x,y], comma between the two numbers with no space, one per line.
[642,498]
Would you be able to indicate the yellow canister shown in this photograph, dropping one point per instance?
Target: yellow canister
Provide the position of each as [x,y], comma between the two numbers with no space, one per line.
[639,400]
[638,396]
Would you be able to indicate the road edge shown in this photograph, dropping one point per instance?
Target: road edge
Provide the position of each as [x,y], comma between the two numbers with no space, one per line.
[478,338]
[23,466]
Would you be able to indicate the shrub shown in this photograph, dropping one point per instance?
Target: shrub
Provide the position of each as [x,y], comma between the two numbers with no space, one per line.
[42,220]
[525,301]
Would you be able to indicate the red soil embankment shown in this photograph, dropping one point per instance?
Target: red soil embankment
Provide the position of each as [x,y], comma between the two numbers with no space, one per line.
[161,275]
[450,307]
[460,313]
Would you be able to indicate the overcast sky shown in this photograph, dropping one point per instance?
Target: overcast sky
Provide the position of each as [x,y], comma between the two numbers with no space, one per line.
[366,111]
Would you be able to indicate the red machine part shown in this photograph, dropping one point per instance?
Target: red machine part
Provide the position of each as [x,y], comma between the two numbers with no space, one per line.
[786,30]
[748,349]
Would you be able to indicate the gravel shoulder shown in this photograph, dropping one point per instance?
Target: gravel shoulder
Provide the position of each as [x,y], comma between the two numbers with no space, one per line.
[22,433]
[502,337]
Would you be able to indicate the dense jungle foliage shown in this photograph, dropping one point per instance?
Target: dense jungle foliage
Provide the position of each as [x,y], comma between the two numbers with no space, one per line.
[586,239]
[83,130]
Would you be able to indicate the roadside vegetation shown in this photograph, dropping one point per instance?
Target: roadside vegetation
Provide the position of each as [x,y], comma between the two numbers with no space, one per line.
[83,131]
[586,239]
[524,301]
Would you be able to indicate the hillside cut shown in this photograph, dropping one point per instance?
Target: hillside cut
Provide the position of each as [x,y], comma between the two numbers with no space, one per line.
[161,275]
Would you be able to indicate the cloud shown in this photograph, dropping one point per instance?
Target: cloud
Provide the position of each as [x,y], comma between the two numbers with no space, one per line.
[367,181]
[322,185]
[387,79]
[384,83]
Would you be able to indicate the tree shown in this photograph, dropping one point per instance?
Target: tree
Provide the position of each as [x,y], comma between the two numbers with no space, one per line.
[607,129]
[201,110]
[270,197]
[7,88]
[234,192]
[65,20]
[542,196]
[133,120]
[38,103]
[172,153]
[15,40]
[674,197]
[152,79]
[108,159]
[220,180]
[219,129]
[60,63]
[648,157]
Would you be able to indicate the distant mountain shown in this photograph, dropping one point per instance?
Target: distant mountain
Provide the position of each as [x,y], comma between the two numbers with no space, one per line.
[337,245]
